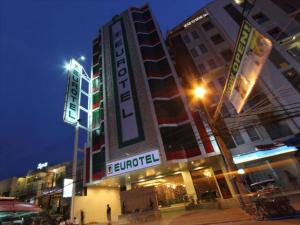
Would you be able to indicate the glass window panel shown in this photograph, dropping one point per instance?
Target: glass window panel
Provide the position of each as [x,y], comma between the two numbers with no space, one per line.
[203,48]
[207,25]
[227,55]
[238,138]
[217,39]
[212,64]
[186,38]
[277,59]
[195,34]
[194,52]
[260,18]
[253,135]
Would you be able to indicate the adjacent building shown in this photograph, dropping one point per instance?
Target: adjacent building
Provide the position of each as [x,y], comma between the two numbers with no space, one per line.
[202,48]
[44,186]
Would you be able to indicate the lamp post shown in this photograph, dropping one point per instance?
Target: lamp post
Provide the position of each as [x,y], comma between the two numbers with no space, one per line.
[199,94]
[74,170]
[76,121]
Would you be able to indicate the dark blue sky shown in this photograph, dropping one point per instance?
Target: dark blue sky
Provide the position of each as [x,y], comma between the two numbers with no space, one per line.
[36,37]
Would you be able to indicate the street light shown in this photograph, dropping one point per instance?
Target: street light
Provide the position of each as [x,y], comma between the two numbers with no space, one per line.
[67,66]
[199,92]
[241,171]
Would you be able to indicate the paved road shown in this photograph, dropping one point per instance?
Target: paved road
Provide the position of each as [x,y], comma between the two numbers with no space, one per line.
[233,216]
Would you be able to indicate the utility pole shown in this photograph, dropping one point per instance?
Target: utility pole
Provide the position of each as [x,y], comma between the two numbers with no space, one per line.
[74,170]
[235,178]
[232,168]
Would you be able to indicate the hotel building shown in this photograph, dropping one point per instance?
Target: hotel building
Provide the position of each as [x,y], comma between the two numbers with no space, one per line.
[148,149]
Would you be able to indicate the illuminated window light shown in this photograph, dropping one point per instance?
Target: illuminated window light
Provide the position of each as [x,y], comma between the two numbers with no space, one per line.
[241,171]
[251,156]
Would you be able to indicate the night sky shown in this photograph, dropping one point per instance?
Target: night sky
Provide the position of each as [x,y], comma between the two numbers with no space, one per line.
[36,38]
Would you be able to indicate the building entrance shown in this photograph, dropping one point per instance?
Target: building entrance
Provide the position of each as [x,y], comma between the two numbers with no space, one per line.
[169,189]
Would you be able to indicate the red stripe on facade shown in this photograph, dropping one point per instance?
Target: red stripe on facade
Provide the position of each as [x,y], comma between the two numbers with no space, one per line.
[161,73]
[156,57]
[192,152]
[98,175]
[98,145]
[203,133]
[95,89]
[87,165]
[171,120]
[164,93]
[96,105]
[180,154]
[183,153]
[96,74]
[152,43]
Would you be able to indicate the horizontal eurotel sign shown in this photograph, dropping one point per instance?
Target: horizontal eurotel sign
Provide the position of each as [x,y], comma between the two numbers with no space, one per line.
[251,52]
[128,118]
[133,163]
[203,15]
[72,99]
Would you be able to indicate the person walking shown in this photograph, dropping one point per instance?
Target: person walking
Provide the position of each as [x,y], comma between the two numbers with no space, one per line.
[82,217]
[108,214]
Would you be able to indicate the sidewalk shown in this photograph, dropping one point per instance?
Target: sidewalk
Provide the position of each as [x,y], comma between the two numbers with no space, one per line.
[234,216]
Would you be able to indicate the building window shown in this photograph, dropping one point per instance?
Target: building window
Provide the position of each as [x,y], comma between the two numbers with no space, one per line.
[194,53]
[287,5]
[222,81]
[186,38]
[260,18]
[277,59]
[297,17]
[212,64]
[253,135]
[295,51]
[202,68]
[278,129]
[234,13]
[247,5]
[195,34]
[203,48]
[227,55]
[217,39]
[224,111]
[277,33]
[238,139]
[207,26]
[293,77]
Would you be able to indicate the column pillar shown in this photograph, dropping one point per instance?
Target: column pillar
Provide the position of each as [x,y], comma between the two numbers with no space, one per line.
[128,185]
[189,185]
[226,176]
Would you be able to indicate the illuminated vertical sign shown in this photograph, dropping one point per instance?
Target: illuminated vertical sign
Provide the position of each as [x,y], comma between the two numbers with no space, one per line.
[72,99]
[68,188]
[251,52]
[129,124]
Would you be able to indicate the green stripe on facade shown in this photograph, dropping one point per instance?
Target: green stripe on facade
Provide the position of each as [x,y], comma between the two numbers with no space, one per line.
[141,136]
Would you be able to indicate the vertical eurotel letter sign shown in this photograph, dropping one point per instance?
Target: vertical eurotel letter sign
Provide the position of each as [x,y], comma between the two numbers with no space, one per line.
[129,123]
[251,52]
[72,99]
